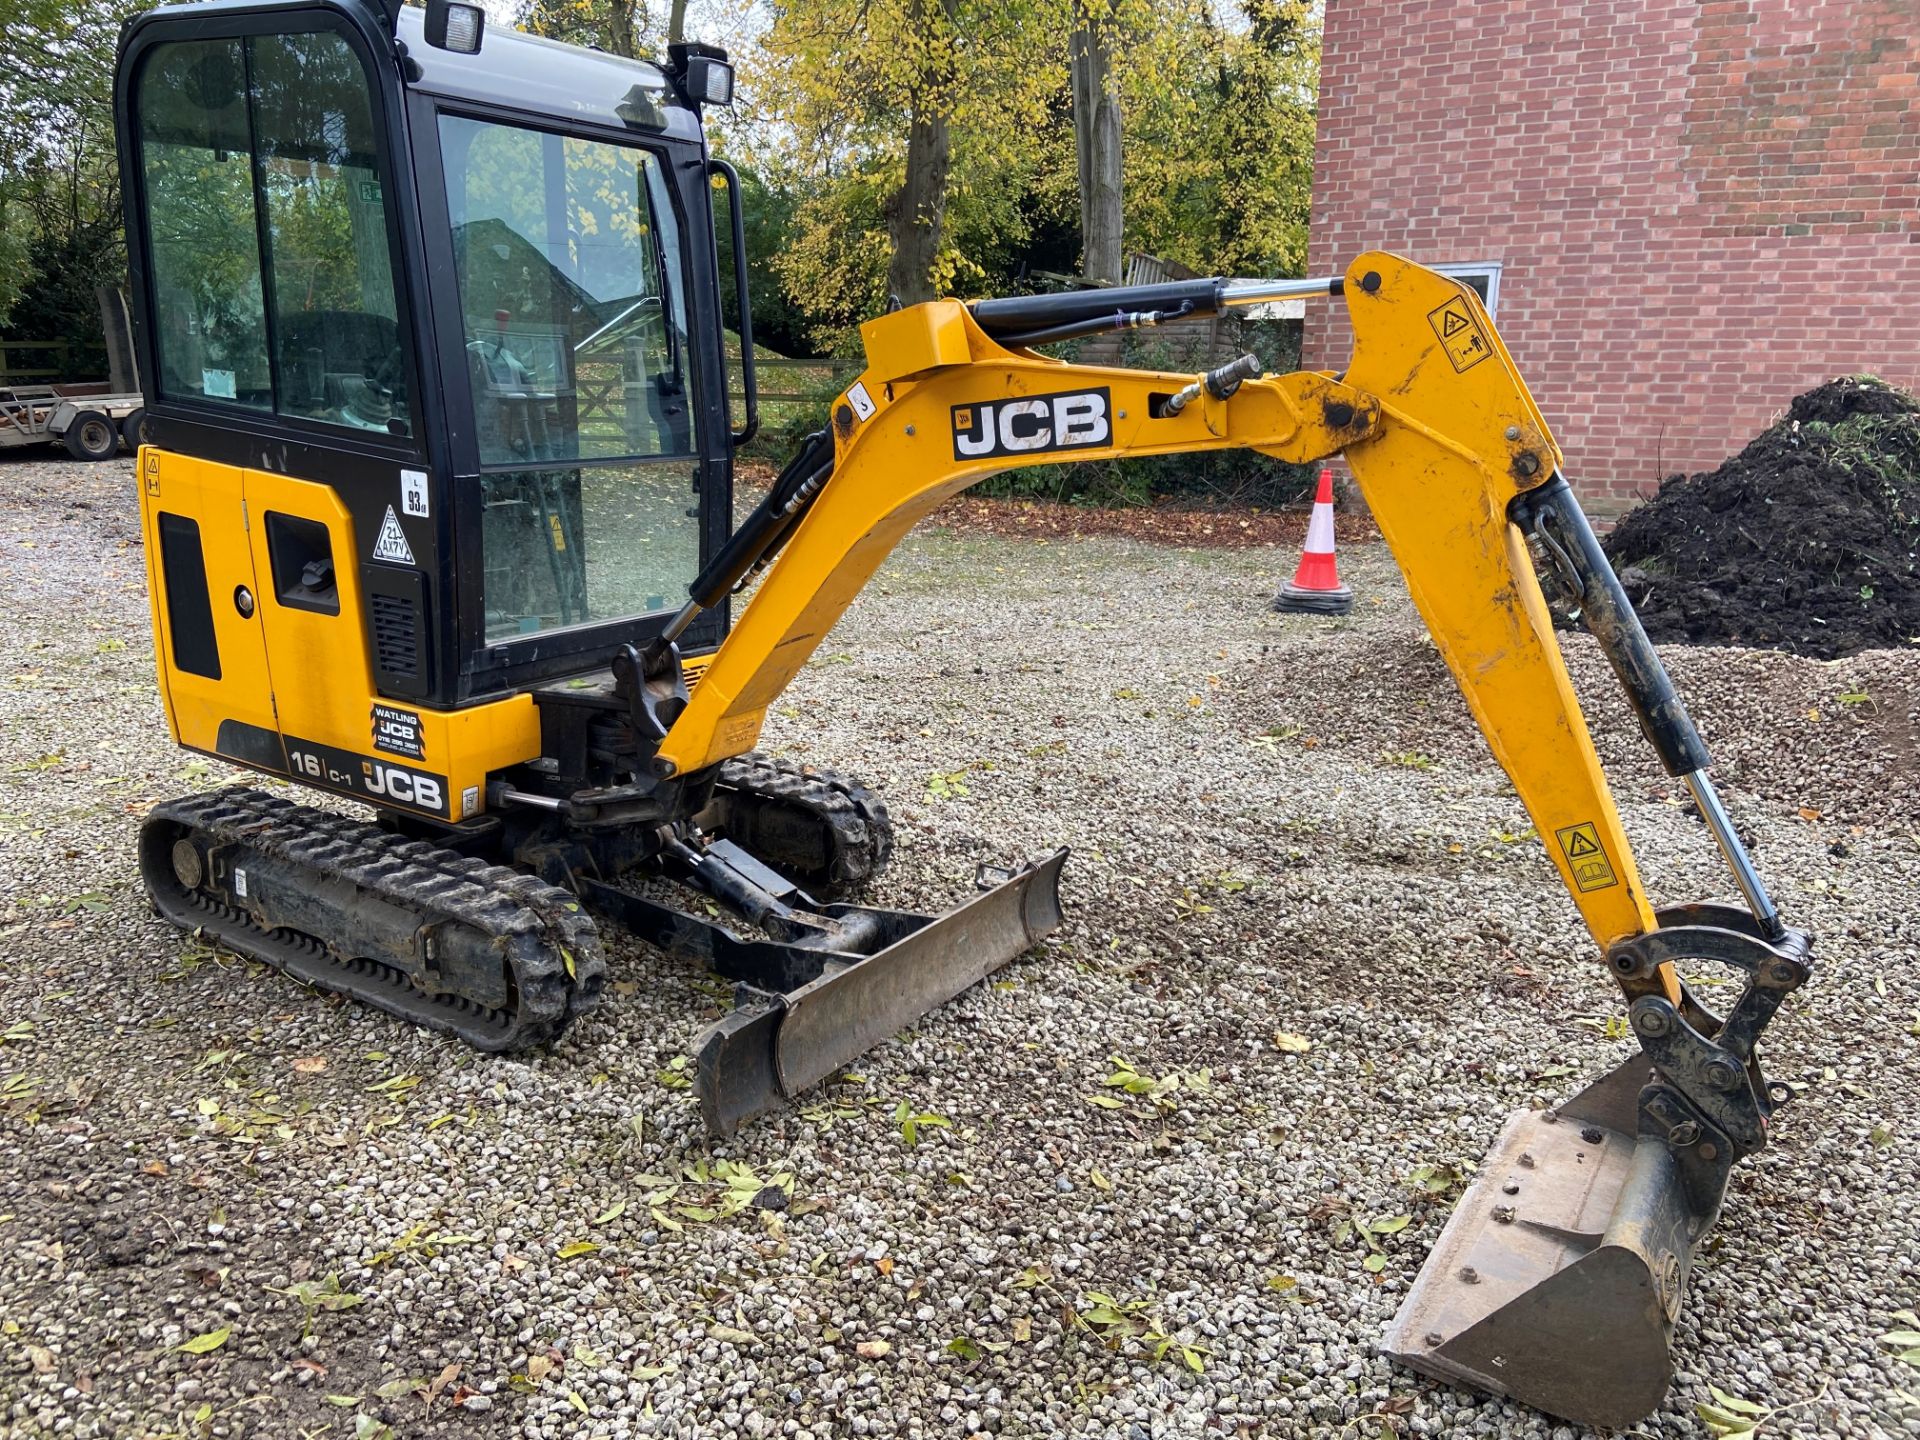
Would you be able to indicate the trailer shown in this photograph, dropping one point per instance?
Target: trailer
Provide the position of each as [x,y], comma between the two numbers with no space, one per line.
[87,419]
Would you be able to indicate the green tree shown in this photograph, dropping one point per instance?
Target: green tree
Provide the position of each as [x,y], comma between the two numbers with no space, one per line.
[849,106]
[60,219]
[1219,163]
[767,211]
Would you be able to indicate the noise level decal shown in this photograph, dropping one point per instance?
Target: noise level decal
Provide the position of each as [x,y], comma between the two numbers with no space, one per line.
[1585,857]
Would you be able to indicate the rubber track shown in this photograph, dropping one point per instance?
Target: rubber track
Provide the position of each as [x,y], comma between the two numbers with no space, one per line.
[855,818]
[533,925]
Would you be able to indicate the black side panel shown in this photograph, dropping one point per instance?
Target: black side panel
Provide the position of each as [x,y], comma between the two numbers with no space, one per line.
[402,642]
[183,572]
[251,745]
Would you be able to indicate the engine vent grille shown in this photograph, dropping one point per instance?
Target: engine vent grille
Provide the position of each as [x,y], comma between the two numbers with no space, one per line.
[396,635]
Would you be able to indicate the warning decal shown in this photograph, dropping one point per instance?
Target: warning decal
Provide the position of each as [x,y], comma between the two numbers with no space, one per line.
[1459,334]
[392,544]
[1585,857]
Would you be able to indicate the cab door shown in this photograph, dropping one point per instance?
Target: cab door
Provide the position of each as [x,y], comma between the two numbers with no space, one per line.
[263,231]
[210,649]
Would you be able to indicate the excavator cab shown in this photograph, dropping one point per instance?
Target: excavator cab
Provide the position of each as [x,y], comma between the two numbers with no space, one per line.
[436,491]
[475,294]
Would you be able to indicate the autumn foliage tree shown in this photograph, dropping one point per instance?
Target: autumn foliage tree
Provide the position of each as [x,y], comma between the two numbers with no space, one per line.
[907,125]
[620,27]
[926,142]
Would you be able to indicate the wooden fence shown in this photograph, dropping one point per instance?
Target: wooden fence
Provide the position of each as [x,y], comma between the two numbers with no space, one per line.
[789,389]
[34,362]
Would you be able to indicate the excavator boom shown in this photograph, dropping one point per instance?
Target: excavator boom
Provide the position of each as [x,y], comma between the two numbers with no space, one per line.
[1560,1276]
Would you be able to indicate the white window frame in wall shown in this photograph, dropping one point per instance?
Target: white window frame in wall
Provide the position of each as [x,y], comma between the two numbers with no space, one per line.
[1470,271]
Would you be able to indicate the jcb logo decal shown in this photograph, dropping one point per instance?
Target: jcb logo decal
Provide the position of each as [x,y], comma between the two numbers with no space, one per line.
[366,777]
[408,787]
[1072,420]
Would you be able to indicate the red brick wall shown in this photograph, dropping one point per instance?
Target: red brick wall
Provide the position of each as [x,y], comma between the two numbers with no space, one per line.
[1703,207]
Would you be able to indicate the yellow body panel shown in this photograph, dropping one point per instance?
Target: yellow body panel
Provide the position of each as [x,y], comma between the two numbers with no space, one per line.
[316,694]
[1435,423]
[207,494]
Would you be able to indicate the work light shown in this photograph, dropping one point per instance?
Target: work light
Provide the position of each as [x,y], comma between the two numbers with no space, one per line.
[710,81]
[454,26]
[703,73]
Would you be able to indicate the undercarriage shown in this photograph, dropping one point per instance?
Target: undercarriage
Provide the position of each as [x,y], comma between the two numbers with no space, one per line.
[488,932]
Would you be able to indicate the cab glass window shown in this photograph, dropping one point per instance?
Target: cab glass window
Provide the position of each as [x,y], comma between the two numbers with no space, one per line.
[570,293]
[574,321]
[570,545]
[203,242]
[265,147]
[336,331]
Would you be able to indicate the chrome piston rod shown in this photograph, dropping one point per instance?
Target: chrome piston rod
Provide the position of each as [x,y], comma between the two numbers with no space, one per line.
[1259,292]
[1728,839]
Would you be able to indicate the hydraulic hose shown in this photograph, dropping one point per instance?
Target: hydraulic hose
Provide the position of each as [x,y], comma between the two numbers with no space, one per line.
[1552,519]
[762,533]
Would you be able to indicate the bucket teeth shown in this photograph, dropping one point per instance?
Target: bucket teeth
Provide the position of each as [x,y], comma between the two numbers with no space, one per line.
[1558,1279]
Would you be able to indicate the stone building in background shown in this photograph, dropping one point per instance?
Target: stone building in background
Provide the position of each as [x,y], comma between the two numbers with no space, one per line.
[1688,211]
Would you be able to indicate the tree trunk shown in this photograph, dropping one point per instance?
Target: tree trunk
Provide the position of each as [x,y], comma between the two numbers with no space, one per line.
[917,212]
[620,38]
[1096,136]
[677,22]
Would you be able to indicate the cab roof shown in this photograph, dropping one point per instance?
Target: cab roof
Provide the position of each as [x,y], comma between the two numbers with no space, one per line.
[542,79]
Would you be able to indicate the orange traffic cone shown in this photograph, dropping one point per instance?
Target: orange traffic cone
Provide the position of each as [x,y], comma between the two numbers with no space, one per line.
[1315,588]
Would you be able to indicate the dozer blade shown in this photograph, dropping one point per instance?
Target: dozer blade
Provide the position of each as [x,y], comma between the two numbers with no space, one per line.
[775,1045]
[1558,1279]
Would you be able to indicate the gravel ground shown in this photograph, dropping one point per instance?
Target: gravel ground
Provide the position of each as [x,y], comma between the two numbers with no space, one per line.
[1279,825]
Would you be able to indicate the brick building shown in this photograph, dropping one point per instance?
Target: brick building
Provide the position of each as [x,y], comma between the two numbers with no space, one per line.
[1692,209]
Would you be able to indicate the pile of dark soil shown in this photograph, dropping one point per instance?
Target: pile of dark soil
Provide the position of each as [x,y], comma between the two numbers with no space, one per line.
[1805,541]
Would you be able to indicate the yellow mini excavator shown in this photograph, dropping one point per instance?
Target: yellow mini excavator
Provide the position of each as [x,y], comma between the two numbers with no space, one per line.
[437,496]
